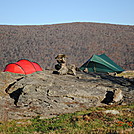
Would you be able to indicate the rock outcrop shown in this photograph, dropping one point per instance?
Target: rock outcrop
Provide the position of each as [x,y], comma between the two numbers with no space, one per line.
[62,67]
[46,95]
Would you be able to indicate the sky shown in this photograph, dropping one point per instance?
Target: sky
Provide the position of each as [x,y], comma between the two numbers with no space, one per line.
[45,12]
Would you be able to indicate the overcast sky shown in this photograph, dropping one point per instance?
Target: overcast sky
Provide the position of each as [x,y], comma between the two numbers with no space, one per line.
[42,12]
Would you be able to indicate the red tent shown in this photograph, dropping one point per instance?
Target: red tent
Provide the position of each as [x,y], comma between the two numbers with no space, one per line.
[23,67]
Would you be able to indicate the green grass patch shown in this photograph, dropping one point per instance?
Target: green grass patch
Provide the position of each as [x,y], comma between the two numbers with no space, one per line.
[93,120]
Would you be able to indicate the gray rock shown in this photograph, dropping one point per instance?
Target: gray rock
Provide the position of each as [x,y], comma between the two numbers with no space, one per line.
[47,95]
[112,112]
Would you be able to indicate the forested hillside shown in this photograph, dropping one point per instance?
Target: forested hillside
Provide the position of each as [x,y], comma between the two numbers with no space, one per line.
[79,41]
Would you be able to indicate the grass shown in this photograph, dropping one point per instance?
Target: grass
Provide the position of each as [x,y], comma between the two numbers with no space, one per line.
[126,74]
[93,120]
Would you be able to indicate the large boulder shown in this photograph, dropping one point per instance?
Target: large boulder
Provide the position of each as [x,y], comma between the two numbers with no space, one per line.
[45,94]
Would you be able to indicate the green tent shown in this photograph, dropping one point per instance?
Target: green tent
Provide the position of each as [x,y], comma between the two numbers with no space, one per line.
[101,63]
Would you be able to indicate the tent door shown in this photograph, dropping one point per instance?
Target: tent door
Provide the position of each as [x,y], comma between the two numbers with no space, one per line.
[94,67]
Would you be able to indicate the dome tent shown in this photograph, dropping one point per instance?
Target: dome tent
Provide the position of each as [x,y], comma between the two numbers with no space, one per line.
[23,66]
[101,63]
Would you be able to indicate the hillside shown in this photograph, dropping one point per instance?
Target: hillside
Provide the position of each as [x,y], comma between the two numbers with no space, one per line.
[79,41]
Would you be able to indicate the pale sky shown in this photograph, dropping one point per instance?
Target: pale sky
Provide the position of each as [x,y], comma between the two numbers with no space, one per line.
[43,12]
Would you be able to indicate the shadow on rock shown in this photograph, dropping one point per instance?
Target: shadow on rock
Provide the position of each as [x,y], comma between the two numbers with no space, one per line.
[108,98]
[16,94]
[8,88]
[129,83]
[12,84]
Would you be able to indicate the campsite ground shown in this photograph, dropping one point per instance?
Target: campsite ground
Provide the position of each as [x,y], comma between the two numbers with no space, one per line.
[92,119]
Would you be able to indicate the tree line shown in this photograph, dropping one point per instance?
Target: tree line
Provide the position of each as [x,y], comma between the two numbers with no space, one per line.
[79,41]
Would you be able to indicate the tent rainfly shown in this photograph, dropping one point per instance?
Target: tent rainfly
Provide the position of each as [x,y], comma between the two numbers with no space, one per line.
[23,67]
[101,63]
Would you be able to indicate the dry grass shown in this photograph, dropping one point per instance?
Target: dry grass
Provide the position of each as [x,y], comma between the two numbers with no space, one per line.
[127,74]
[93,120]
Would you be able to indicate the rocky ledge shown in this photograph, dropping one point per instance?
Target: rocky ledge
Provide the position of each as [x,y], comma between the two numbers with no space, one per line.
[47,95]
